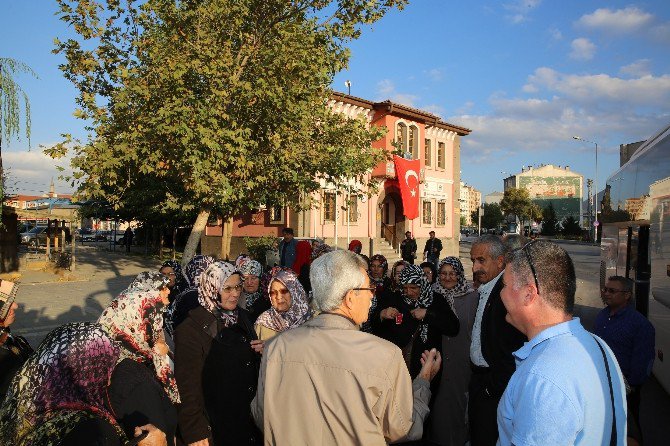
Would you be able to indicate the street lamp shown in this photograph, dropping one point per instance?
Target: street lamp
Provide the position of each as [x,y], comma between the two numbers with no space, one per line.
[578,138]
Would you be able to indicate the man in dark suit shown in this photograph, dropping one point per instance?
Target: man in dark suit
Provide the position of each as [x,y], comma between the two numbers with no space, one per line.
[493,341]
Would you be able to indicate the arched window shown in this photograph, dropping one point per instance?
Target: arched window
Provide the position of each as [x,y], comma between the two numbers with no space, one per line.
[401,136]
[413,145]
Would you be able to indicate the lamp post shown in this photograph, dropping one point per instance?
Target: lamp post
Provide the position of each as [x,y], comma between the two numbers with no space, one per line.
[595,228]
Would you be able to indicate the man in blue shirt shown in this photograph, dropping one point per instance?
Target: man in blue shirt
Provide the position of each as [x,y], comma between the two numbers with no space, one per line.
[567,388]
[287,248]
[630,336]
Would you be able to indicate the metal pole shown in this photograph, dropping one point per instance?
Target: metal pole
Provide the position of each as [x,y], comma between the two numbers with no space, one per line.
[595,238]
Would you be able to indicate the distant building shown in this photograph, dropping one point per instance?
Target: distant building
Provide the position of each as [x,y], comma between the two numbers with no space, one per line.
[470,199]
[547,183]
[493,197]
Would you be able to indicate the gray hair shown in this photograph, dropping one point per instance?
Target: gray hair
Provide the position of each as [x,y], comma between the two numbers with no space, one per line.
[555,272]
[332,275]
[496,247]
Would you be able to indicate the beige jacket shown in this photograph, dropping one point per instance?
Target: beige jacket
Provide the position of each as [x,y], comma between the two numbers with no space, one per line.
[327,383]
[264,333]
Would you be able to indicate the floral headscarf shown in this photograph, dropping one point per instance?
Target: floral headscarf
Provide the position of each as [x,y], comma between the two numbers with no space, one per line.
[384,264]
[320,250]
[180,283]
[64,380]
[299,311]
[252,268]
[413,274]
[135,320]
[461,287]
[211,283]
[148,281]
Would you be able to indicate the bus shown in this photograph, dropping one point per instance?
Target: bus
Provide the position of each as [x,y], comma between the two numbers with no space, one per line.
[635,237]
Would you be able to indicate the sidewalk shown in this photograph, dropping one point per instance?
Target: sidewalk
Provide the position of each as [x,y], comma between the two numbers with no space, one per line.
[47,300]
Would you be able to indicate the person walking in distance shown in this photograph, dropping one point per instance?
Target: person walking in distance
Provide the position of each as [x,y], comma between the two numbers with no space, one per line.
[431,252]
[493,341]
[408,248]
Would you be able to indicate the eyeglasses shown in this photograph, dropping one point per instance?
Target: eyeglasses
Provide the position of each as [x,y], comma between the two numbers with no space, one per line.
[230,289]
[449,274]
[373,290]
[530,262]
[275,293]
[612,290]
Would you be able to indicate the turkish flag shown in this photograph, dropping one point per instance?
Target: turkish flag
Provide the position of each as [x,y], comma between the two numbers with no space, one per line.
[407,172]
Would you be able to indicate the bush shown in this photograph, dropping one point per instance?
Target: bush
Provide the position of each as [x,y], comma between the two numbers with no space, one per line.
[257,246]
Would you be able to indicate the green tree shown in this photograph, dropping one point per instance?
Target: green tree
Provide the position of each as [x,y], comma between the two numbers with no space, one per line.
[189,115]
[493,216]
[550,224]
[11,97]
[570,226]
[464,221]
[517,202]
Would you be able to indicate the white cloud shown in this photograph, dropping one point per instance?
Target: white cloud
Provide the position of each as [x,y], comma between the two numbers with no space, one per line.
[435,74]
[639,68]
[519,10]
[626,20]
[386,90]
[31,172]
[555,34]
[661,33]
[582,49]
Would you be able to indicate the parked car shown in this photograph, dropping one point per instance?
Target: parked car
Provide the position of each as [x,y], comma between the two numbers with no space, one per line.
[94,236]
[38,236]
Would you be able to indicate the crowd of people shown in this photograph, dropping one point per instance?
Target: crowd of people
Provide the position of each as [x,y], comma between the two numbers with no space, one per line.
[333,347]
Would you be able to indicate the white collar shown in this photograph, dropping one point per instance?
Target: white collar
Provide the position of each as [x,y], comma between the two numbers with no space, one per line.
[486,288]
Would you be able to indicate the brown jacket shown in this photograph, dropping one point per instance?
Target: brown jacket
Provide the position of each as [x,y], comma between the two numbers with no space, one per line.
[327,383]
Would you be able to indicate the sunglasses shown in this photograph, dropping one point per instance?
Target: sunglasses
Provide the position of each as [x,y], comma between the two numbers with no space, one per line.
[529,258]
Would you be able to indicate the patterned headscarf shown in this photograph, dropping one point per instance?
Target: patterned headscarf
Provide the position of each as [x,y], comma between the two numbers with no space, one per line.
[320,250]
[180,283]
[461,287]
[148,281]
[383,262]
[211,283]
[192,273]
[242,258]
[252,268]
[413,274]
[66,377]
[299,311]
[135,320]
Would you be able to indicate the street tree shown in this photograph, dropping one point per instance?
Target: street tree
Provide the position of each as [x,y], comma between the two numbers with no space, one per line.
[550,224]
[570,226]
[517,202]
[214,105]
[11,98]
[492,216]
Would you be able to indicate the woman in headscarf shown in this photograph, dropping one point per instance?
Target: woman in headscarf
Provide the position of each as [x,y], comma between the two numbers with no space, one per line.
[178,283]
[289,306]
[377,272]
[217,361]
[355,246]
[430,271]
[391,292]
[188,299]
[142,387]
[254,294]
[415,321]
[451,400]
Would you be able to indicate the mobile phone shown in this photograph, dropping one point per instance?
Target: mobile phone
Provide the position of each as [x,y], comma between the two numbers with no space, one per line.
[398,318]
[135,440]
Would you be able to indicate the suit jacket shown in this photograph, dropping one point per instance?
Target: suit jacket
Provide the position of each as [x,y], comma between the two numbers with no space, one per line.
[499,340]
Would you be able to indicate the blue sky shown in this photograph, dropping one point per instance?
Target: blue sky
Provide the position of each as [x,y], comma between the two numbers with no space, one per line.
[525,76]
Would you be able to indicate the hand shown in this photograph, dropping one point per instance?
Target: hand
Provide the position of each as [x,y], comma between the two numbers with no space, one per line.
[257,346]
[204,442]
[430,364]
[419,313]
[161,348]
[389,313]
[156,437]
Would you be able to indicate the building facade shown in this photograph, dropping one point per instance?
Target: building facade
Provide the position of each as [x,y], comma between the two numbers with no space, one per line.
[339,217]
[493,197]
[470,200]
[547,183]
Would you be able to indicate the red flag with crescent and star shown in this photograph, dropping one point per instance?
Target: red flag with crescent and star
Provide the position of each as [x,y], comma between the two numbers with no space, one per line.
[407,172]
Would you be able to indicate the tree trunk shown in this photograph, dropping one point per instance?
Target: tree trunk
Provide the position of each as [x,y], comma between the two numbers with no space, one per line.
[196,234]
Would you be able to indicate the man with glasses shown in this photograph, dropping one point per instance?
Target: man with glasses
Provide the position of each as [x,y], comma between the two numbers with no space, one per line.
[328,383]
[567,388]
[493,341]
[630,336]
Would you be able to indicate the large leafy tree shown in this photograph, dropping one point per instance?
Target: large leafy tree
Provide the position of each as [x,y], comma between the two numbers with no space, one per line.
[517,202]
[11,98]
[213,105]
[492,216]
[550,224]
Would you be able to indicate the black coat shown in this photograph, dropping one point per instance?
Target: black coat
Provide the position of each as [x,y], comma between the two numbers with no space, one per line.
[217,375]
[499,339]
[440,318]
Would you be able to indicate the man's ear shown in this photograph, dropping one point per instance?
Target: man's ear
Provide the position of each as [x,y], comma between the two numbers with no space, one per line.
[349,299]
[500,260]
